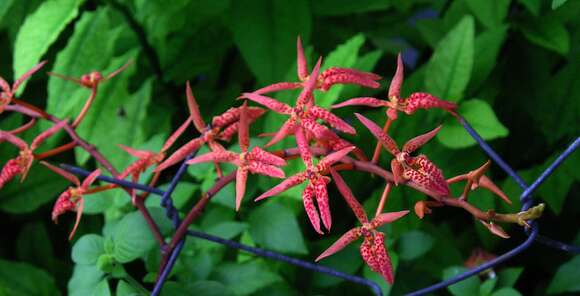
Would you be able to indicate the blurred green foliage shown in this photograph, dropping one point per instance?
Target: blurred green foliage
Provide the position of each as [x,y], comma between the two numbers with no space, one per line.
[512,65]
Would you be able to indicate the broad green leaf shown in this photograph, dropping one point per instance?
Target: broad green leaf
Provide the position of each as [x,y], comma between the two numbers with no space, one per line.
[84,280]
[345,7]
[487,47]
[39,31]
[4,7]
[557,3]
[550,33]
[272,224]
[344,56]
[22,279]
[566,278]
[132,238]
[265,31]
[468,286]
[208,288]
[480,116]
[124,289]
[40,187]
[449,69]
[487,287]
[88,249]
[28,249]
[414,244]
[102,289]
[490,13]
[227,229]
[245,278]
[509,276]
[506,292]
[89,48]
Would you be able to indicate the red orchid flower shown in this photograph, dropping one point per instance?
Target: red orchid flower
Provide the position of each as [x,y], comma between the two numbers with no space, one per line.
[72,198]
[395,103]
[257,161]
[373,249]
[90,81]
[316,183]
[22,163]
[419,169]
[149,158]
[222,127]
[304,113]
[476,179]
[7,92]
[326,79]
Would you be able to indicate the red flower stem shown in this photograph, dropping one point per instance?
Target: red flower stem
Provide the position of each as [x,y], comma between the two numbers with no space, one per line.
[466,190]
[24,127]
[384,198]
[86,107]
[379,147]
[92,150]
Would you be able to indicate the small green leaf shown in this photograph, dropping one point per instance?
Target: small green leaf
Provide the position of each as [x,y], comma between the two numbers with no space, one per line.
[22,279]
[468,286]
[449,69]
[344,56]
[87,249]
[245,278]
[414,244]
[533,6]
[39,31]
[487,287]
[84,280]
[480,116]
[132,238]
[557,3]
[124,289]
[550,33]
[509,276]
[487,47]
[102,289]
[506,292]
[265,31]
[106,263]
[272,224]
[566,278]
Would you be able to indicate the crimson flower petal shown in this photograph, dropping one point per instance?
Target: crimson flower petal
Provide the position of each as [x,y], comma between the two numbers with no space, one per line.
[309,207]
[180,154]
[309,86]
[377,131]
[303,147]
[241,178]
[269,103]
[385,218]
[302,66]
[333,157]
[194,109]
[277,87]
[286,129]
[347,238]
[47,133]
[419,141]
[332,120]
[134,152]
[426,101]
[266,157]
[219,156]
[285,185]
[10,170]
[362,101]
[266,169]
[169,142]
[352,202]
[395,87]
[321,193]
[14,140]
[70,177]
[428,175]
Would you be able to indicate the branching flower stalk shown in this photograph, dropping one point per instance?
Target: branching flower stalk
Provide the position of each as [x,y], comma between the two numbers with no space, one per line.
[323,152]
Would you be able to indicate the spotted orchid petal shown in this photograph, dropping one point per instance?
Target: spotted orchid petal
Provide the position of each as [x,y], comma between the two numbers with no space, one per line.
[385,218]
[303,147]
[277,87]
[334,76]
[366,75]
[346,193]
[285,185]
[169,142]
[266,157]
[301,63]
[266,170]
[11,169]
[241,179]
[318,130]
[287,128]
[5,86]
[269,103]
[333,157]
[362,101]
[194,109]
[426,101]
[321,193]
[217,156]
[332,120]
[397,170]
[377,131]
[374,253]
[419,141]
[47,133]
[229,117]
[395,87]
[427,175]
[306,94]
[346,239]
[244,129]
[62,205]
[309,207]
[180,154]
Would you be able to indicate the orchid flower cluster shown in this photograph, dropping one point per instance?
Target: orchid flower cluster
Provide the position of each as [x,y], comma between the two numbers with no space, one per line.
[317,133]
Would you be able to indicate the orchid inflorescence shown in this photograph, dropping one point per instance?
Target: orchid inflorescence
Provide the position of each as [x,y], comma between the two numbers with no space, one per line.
[315,132]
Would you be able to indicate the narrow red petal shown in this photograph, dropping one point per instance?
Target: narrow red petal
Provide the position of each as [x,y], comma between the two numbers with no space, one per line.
[333,157]
[347,238]
[303,147]
[311,212]
[266,157]
[277,87]
[79,211]
[319,131]
[302,66]
[486,183]
[495,229]
[90,179]
[266,169]
[14,140]
[269,103]
[395,87]
[362,101]
[10,170]
[180,154]
[72,178]
[321,193]
[194,109]
[385,218]
[244,128]
[377,131]
[169,142]
[286,129]
[136,153]
[285,185]
[332,120]
[382,258]
[346,193]
[241,178]
[309,86]
[426,101]
[419,141]
[47,133]
[218,156]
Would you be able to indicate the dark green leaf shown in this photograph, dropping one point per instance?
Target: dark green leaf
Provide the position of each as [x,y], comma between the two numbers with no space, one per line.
[509,276]
[272,224]
[532,6]
[557,3]
[487,47]
[506,292]
[490,13]
[487,287]
[39,31]
[469,286]
[550,33]
[449,69]
[245,278]
[342,7]
[566,278]
[414,244]
[22,279]
[480,116]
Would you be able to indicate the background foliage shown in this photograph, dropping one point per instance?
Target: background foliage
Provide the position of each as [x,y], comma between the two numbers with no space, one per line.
[512,66]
